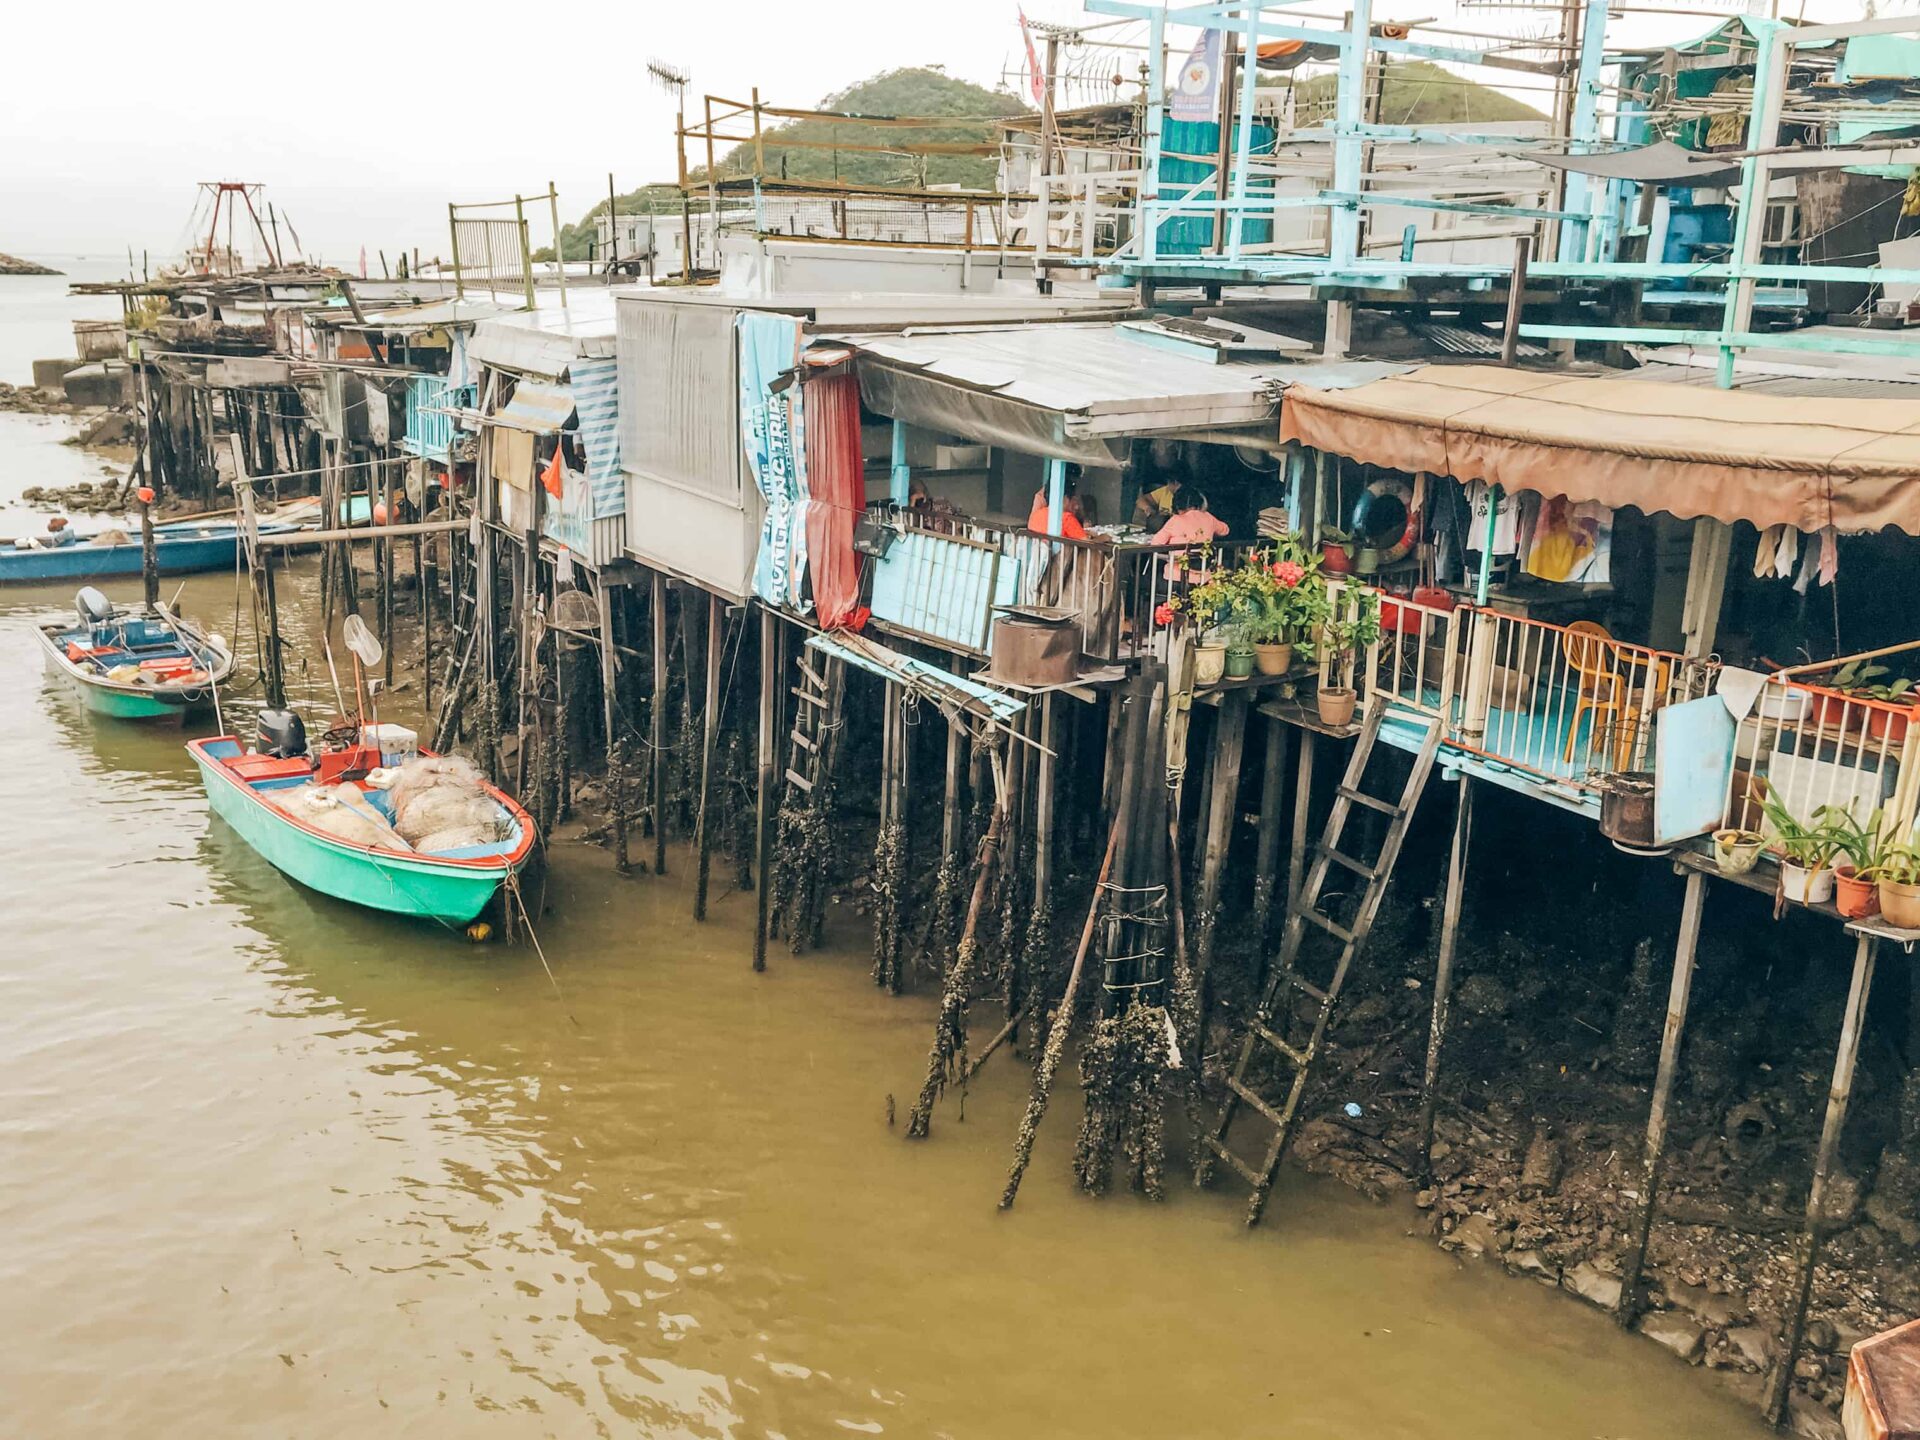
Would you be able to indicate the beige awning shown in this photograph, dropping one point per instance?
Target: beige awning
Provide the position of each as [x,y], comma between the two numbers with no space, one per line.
[1854,463]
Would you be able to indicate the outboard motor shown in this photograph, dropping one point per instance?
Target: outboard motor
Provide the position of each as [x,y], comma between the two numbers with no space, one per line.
[283,735]
[94,608]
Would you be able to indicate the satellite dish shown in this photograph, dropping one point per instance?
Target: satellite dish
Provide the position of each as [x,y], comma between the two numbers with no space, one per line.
[361,641]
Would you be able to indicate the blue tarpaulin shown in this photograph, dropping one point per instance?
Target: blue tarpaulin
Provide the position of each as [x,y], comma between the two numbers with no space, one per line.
[772,428]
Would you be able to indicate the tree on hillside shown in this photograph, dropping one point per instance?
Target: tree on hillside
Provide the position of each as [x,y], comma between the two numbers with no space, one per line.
[911,91]
[1417,92]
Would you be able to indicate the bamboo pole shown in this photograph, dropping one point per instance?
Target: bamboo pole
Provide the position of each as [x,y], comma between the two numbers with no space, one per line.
[1062,1025]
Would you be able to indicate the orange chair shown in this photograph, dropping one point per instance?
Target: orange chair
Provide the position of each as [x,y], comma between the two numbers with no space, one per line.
[1602,664]
[1590,651]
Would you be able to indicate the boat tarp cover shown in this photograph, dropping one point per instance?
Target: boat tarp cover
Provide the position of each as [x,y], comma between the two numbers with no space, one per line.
[1689,451]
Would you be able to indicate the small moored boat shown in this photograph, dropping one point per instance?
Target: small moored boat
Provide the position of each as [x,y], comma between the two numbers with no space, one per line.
[134,667]
[333,820]
[179,548]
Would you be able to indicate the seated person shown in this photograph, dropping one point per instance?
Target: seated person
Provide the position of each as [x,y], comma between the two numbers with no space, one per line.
[1191,524]
[59,533]
[1157,506]
[1070,525]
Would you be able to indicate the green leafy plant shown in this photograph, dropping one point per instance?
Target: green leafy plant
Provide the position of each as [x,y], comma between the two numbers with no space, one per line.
[1899,864]
[1859,842]
[1341,630]
[1811,844]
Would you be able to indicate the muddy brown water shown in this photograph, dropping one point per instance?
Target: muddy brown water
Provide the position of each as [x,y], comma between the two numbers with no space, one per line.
[271,1166]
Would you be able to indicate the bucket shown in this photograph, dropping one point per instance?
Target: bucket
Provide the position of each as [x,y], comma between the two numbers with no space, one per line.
[1626,808]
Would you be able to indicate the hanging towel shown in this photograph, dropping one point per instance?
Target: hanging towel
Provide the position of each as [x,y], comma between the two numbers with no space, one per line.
[1807,564]
[1763,553]
[1788,552]
[1829,554]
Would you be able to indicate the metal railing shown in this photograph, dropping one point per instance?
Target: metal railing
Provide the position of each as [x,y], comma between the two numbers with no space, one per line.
[1808,746]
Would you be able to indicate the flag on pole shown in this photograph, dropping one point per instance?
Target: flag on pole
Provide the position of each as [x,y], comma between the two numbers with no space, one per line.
[1196,91]
[1035,81]
[555,471]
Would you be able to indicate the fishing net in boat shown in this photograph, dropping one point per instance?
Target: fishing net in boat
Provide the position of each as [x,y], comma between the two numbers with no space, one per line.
[441,803]
[341,811]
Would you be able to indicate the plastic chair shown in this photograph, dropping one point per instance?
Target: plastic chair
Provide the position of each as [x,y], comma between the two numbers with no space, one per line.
[1605,689]
[1591,652]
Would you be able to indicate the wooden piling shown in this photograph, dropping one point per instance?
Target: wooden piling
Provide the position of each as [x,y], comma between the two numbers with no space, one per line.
[657,723]
[710,733]
[763,781]
[1443,972]
[1267,855]
[1845,1061]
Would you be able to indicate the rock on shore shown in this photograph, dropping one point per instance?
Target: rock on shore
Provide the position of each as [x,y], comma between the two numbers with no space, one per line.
[13,265]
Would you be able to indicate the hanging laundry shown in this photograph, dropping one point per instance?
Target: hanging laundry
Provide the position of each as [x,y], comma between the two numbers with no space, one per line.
[1807,566]
[1570,542]
[1788,552]
[1763,554]
[1829,554]
[1506,521]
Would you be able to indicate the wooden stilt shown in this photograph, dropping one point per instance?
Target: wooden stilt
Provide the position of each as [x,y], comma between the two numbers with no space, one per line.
[1443,971]
[1302,818]
[1266,867]
[1845,1061]
[763,789]
[1679,992]
[657,718]
[953,818]
[1224,786]
[710,734]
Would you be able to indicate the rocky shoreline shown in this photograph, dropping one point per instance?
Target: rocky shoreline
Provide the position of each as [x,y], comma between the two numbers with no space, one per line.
[13,265]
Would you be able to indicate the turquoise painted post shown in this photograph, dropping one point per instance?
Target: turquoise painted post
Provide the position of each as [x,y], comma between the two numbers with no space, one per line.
[1150,156]
[1586,115]
[1485,576]
[1243,117]
[1763,129]
[1343,226]
[1056,495]
[901,475]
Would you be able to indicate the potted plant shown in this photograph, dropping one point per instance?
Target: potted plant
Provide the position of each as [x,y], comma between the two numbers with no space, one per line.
[1336,551]
[1736,851]
[1336,639]
[1890,725]
[1209,604]
[1806,851]
[1896,872]
[1855,892]
[1287,605]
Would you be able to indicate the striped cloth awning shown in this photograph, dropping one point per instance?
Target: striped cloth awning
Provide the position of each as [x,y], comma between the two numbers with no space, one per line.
[540,408]
[596,394]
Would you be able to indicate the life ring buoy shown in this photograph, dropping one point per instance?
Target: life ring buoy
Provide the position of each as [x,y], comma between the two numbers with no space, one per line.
[1365,532]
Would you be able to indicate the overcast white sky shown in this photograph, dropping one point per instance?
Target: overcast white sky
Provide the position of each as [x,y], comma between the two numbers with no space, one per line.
[364,119]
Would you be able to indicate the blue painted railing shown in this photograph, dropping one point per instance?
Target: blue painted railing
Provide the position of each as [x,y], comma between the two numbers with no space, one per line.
[430,401]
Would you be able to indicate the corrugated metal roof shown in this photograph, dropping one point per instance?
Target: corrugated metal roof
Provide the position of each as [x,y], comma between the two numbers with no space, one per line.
[1802,374]
[1469,339]
[429,316]
[546,340]
[1087,370]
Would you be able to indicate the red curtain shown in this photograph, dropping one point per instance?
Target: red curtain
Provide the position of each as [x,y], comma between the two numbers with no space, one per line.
[837,489]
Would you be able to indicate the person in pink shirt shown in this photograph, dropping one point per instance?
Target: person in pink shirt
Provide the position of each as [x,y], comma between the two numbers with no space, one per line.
[1191,524]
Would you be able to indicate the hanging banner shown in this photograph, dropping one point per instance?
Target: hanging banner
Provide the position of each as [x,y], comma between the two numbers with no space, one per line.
[772,430]
[1196,89]
[1035,80]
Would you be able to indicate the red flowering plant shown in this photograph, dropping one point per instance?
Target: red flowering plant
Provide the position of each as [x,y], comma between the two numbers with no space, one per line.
[1271,596]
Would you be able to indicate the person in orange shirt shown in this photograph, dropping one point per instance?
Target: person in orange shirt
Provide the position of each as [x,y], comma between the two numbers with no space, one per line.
[1070,526]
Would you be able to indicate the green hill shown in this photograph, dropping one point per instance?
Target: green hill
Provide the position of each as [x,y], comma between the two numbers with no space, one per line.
[1419,92]
[915,90]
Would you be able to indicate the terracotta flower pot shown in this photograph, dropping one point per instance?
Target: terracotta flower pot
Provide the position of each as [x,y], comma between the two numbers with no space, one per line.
[1239,662]
[1888,725]
[1273,659]
[1334,558]
[1209,664]
[1900,904]
[1853,897]
[1336,705]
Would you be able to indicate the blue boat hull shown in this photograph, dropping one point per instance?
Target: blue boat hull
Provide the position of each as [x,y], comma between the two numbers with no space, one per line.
[176,556]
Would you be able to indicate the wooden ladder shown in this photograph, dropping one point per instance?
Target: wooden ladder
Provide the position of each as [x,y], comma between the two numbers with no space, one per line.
[1304,912]
[815,722]
[465,632]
